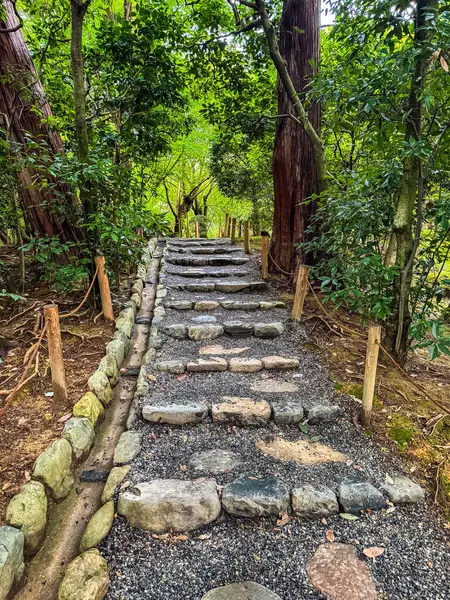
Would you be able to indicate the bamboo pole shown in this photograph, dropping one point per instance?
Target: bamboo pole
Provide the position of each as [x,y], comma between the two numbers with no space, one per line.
[246,237]
[233,230]
[197,234]
[300,292]
[370,372]
[105,294]
[51,316]
[265,256]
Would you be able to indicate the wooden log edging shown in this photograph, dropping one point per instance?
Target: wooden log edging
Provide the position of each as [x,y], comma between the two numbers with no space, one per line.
[65,453]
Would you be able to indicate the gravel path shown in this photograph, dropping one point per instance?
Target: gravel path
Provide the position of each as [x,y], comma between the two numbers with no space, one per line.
[415,564]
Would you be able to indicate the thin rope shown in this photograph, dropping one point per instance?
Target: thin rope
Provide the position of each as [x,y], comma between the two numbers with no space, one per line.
[64,316]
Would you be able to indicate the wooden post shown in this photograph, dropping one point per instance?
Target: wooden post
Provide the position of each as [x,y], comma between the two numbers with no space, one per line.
[265,256]
[233,230]
[240,229]
[220,231]
[188,231]
[51,316]
[197,234]
[105,294]
[300,292]
[226,229]
[246,238]
[370,372]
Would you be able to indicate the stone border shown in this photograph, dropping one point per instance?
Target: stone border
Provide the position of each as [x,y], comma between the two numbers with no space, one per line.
[159,505]
[53,471]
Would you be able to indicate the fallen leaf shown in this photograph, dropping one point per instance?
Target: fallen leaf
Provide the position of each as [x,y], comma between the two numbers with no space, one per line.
[180,538]
[6,485]
[373,551]
[315,438]
[182,377]
[330,535]
[358,467]
[444,64]
[389,479]
[324,522]
[284,519]
[429,564]
[151,377]
[256,557]
[204,536]
[64,418]
[348,517]
[183,468]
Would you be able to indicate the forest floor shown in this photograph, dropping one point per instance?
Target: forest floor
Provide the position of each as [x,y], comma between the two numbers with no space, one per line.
[34,418]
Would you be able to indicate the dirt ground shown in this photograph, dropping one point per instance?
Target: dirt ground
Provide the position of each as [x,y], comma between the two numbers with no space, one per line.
[34,418]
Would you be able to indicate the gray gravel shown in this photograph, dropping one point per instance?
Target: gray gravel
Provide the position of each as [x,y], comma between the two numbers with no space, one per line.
[415,564]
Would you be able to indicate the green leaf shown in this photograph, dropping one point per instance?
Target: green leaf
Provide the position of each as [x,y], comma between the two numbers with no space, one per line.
[348,517]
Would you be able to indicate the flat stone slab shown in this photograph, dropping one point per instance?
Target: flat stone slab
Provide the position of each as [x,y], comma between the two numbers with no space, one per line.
[204,319]
[403,490]
[231,287]
[323,413]
[177,331]
[170,504]
[302,451]
[357,496]
[179,304]
[241,411]
[280,363]
[268,330]
[337,572]
[314,502]
[175,414]
[246,590]
[287,412]
[255,497]
[219,349]
[245,365]
[201,273]
[206,305]
[207,364]
[215,461]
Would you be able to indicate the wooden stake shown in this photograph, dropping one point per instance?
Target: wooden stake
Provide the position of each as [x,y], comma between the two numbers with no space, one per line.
[197,234]
[300,292]
[220,231]
[233,230]
[105,294]
[51,316]
[370,372]
[265,256]
[188,231]
[246,238]
[240,229]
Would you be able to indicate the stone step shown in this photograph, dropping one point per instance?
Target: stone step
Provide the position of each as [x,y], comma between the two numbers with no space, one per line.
[238,411]
[211,331]
[206,305]
[227,286]
[207,250]
[163,505]
[235,365]
[200,242]
[207,261]
[202,273]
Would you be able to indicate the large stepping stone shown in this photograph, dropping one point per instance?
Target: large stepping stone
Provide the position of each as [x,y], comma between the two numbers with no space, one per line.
[280,363]
[238,328]
[204,332]
[199,273]
[357,496]
[231,287]
[198,287]
[245,365]
[175,414]
[206,305]
[314,502]
[215,461]
[214,250]
[403,490]
[170,504]
[250,497]
[236,305]
[246,590]
[287,412]
[323,414]
[268,330]
[337,572]
[176,367]
[219,349]
[207,365]
[179,304]
[204,319]
[241,411]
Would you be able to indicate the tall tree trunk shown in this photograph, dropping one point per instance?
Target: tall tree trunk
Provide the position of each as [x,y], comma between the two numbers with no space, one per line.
[294,161]
[409,195]
[50,210]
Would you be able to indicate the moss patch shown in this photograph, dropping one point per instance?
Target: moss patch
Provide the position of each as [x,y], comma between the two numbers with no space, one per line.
[402,430]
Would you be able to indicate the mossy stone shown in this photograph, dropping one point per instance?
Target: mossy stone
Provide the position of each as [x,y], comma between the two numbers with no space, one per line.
[89,406]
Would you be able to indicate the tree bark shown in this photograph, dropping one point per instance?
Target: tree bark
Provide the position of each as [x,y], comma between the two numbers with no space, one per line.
[298,162]
[409,195]
[24,111]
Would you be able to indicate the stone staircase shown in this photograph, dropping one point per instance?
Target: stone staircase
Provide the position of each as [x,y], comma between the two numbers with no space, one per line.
[237,433]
